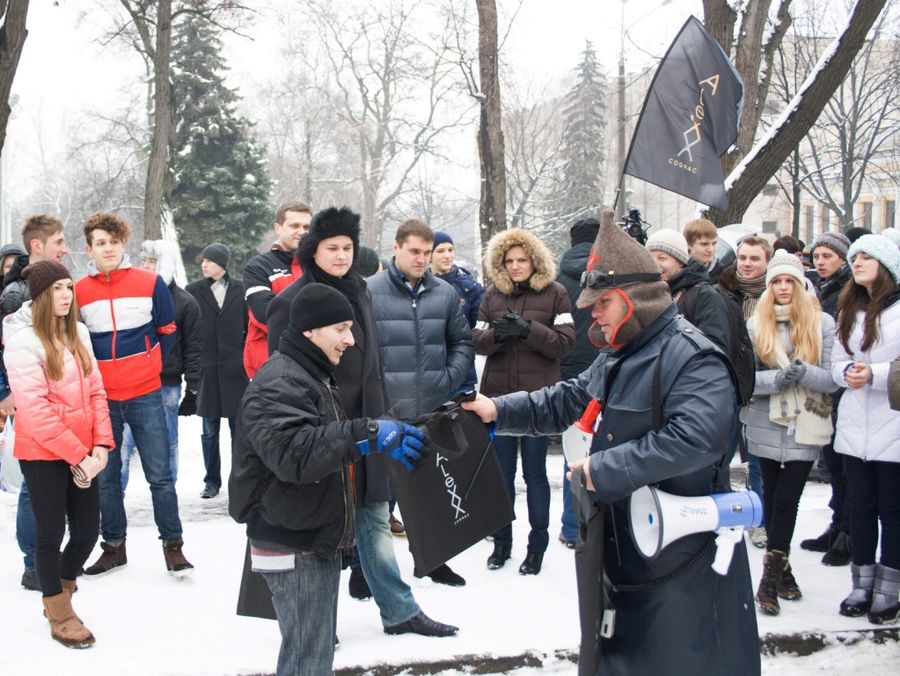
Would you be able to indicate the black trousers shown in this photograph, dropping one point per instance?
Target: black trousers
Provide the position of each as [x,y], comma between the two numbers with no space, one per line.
[55,498]
[782,487]
[834,461]
[874,499]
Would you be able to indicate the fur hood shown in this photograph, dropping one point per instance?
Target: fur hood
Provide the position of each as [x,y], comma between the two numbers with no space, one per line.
[541,259]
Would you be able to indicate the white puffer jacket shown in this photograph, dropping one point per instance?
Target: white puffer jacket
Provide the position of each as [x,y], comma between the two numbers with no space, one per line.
[867,427]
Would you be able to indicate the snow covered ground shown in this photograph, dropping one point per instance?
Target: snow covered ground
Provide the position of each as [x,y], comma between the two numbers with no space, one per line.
[148,623]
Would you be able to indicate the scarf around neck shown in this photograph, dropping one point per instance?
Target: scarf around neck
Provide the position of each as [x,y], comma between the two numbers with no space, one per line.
[751,290]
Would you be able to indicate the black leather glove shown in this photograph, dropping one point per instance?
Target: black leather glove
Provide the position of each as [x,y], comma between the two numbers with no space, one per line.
[510,325]
[188,404]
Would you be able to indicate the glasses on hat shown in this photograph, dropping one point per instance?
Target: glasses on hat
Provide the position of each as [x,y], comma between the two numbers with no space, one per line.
[595,279]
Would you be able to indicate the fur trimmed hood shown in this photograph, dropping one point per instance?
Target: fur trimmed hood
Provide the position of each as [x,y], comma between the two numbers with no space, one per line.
[541,258]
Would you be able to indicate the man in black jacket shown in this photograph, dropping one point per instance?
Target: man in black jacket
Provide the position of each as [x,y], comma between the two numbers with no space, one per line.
[223,379]
[290,479]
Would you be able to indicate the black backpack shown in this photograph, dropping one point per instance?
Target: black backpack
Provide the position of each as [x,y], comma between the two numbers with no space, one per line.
[740,346]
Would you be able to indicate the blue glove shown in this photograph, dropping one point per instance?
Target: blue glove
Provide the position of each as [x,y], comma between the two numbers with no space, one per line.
[400,441]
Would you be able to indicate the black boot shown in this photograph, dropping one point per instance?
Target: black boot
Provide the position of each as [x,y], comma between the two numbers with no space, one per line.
[767,594]
[444,575]
[532,563]
[359,588]
[424,625]
[860,599]
[839,553]
[823,542]
[499,557]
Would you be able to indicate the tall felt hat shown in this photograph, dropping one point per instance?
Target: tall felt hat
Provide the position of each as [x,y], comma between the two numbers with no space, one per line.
[330,222]
[618,262]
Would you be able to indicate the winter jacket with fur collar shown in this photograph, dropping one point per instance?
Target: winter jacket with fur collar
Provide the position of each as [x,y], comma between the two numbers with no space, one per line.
[55,419]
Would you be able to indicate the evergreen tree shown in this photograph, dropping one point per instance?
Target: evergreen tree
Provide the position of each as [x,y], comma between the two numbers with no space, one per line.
[221,186]
[584,118]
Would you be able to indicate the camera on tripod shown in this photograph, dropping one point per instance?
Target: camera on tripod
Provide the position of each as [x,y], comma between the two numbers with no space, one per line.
[633,225]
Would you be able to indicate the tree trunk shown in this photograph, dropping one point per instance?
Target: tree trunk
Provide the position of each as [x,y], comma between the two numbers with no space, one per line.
[12,39]
[158,179]
[491,153]
[767,157]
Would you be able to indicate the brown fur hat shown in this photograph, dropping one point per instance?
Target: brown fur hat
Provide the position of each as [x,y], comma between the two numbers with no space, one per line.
[541,258]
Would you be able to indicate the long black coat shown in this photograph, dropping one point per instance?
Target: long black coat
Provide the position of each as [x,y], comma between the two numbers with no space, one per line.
[223,379]
[697,622]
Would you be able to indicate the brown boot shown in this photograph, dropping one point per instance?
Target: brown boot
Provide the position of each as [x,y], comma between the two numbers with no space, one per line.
[113,557]
[788,589]
[69,587]
[176,564]
[65,627]
[767,594]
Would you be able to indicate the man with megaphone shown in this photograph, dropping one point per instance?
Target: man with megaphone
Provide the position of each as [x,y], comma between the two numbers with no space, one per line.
[668,397]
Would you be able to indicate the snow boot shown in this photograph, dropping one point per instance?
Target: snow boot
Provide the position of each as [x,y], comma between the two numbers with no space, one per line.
[176,564]
[774,562]
[788,589]
[839,553]
[885,607]
[500,556]
[113,557]
[358,587]
[860,599]
[65,626]
[823,542]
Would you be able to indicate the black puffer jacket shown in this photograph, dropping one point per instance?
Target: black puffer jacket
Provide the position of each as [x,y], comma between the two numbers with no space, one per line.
[706,309]
[830,290]
[185,355]
[426,342]
[583,353]
[697,622]
[289,475]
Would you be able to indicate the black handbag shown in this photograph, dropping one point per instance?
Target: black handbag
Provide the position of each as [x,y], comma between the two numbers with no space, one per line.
[457,496]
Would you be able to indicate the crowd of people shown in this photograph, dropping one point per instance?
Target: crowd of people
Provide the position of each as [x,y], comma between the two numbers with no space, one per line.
[323,353]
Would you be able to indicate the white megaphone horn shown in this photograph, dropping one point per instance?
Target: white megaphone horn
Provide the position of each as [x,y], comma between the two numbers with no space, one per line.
[659,518]
[576,440]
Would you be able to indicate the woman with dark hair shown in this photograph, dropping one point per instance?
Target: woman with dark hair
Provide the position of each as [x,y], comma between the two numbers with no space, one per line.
[788,418]
[868,430]
[63,436]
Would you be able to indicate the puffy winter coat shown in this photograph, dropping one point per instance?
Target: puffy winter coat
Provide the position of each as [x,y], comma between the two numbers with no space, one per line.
[289,477]
[426,343]
[765,438]
[55,419]
[707,310]
[469,290]
[583,352]
[531,362]
[687,619]
[867,427]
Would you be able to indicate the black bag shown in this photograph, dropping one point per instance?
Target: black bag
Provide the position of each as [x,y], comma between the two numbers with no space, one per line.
[740,352]
[458,495]
[254,597]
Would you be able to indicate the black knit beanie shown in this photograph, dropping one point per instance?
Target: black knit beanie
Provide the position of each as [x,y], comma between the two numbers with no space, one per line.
[330,222]
[366,261]
[218,254]
[41,275]
[584,230]
[318,305]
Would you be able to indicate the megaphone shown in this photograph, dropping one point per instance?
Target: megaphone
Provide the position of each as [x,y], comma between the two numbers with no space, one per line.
[659,518]
[576,440]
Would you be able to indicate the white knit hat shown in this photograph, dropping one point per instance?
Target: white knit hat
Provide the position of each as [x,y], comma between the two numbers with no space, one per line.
[892,234]
[881,248]
[671,242]
[784,263]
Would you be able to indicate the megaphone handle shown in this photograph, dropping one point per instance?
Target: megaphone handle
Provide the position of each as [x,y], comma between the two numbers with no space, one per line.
[726,539]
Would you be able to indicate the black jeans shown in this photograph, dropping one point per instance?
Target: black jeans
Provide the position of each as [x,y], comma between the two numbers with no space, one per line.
[874,497]
[834,461]
[55,498]
[782,487]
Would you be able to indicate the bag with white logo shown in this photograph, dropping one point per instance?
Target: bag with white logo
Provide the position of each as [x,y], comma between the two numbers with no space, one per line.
[458,495]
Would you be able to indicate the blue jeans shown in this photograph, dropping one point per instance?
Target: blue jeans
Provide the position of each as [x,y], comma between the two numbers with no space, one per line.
[212,459]
[534,470]
[25,526]
[305,600]
[171,396]
[569,520]
[379,565]
[147,419]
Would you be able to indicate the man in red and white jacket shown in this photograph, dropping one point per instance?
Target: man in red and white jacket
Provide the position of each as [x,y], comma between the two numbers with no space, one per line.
[268,274]
[131,318]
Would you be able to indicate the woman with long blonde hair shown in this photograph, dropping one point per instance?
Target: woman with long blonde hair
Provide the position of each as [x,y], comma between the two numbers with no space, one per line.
[63,436]
[789,417]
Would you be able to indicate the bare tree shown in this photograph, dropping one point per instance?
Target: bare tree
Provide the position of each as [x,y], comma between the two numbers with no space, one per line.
[759,164]
[854,132]
[12,40]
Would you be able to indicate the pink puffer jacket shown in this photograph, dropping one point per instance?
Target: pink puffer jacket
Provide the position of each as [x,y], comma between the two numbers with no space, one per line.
[55,419]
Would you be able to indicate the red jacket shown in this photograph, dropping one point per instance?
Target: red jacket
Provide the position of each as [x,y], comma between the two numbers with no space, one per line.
[55,419]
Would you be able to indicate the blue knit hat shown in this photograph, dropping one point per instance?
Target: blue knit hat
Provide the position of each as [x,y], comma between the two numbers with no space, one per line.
[880,248]
[441,237]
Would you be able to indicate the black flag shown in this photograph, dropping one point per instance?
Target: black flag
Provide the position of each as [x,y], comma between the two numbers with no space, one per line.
[690,118]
